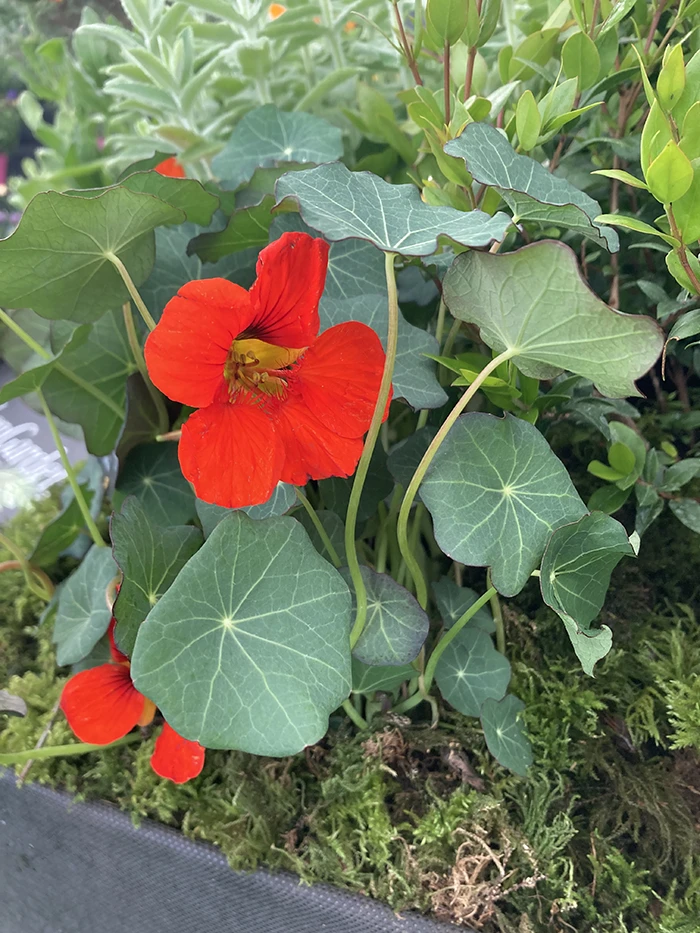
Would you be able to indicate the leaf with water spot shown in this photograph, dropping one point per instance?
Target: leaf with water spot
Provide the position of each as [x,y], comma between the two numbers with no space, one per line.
[496,492]
[534,304]
[150,558]
[249,647]
[342,204]
[56,261]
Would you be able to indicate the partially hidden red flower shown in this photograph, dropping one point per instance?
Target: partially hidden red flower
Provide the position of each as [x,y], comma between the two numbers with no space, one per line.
[170,167]
[102,705]
[277,402]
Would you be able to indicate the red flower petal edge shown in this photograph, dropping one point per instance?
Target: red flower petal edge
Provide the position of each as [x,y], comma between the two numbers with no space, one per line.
[175,758]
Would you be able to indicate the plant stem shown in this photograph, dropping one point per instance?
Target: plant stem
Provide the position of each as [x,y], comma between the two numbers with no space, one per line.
[63,751]
[70,472]
[497,613]
[46,588]
[471,58]
[322,533]
[24,336]
[446,81]
[440,325]
[417,479]
[333,45]
[354,715]
[368,449]
[682,250]
[452,633]
[451,337]
[131,288]
[137,353]
[407,50]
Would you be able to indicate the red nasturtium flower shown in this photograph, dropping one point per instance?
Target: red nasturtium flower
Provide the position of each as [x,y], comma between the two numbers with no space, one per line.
[276,401]
[102,705]
[170,167]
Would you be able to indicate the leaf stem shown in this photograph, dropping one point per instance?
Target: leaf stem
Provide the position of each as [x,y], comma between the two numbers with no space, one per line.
[46,588]
[24,336]
[131,288]
[137,353]
[368,449]
[681,250]
[497,613]
[451,634]
[70,473]
[63,751]
[407,50]
[352,713]
[322,533]
[446,81]
[417,479]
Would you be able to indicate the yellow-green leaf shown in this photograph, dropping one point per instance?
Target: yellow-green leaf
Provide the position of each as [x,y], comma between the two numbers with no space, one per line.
[670,175]
[528,121]
[671,81]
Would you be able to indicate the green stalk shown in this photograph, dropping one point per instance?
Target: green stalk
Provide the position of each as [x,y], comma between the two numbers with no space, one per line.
[405,511]
[354,715]
[70,472]
[497,613]
[368,449]
[451,634]
[131,288]
[322,533]
[63,751]
[24,336]
[137,353]
[31,574]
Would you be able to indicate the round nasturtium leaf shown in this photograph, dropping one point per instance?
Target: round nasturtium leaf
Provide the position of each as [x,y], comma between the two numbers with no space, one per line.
[470,670]
[249,647]
[496,492]
[504,733]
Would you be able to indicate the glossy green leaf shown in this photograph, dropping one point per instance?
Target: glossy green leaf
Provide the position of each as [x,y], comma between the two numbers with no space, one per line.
[496,493]
[342,204]
[246,229]
[671,81]
[603,471]
[678,474]
[372,678]
[639,226]
[82,615]
[470,670]
[686,210]
[150,557]
[453,601]
[446,20]
[415,379]
[89,388]
[266,137]
[678,270]
[608,499]
[686,326]
[687,511]
[531,192]
[249,647]
[580,59]
[534,303]
[396,626]
[624,177]
[505,734]
[56,261]
[623,435]
[621,458]
[187,195]
[152,474]
[60,533]
[528,121]
[575,576]
[670,175]
[617,13]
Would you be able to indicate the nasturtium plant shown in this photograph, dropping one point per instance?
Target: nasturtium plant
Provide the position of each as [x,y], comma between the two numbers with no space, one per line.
[357,373]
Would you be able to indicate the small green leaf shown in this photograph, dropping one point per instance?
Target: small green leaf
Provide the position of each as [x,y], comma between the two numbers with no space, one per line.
[446,20]
[687,511]
[580,59]
[623,435]
[249,649]
[246,228]
[678,271]
[621,458]
[496,493]
[671,81]
[82,615]
[516,300]
[32,379]
[631,223]
[528,188]
[603,471]
[505,735]
[186,194]
[686,210]
[150,558]
[152,474]
[528,121]
[61,532]
[670,175]
[608,499]
[575,576]
[341,204]
[678,474]
[453,601]
[267,137]
[396,626]
[56,260]
[470,670]
[369,679]
[624,177]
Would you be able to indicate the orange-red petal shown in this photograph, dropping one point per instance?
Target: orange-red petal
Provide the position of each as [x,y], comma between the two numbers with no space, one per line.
[171,167]
[175,758]
[186,352]
[339,377]
[285,296]
[231,453]
[117,656]
[102,704]
[312,451]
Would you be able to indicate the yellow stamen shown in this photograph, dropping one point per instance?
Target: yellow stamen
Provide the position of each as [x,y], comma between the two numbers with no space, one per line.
[258,367]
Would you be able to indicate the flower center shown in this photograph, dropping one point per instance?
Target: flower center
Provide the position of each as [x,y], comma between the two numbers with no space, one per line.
[259,368]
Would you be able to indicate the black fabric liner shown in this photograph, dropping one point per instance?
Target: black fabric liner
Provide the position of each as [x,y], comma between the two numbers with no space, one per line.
[68,867]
